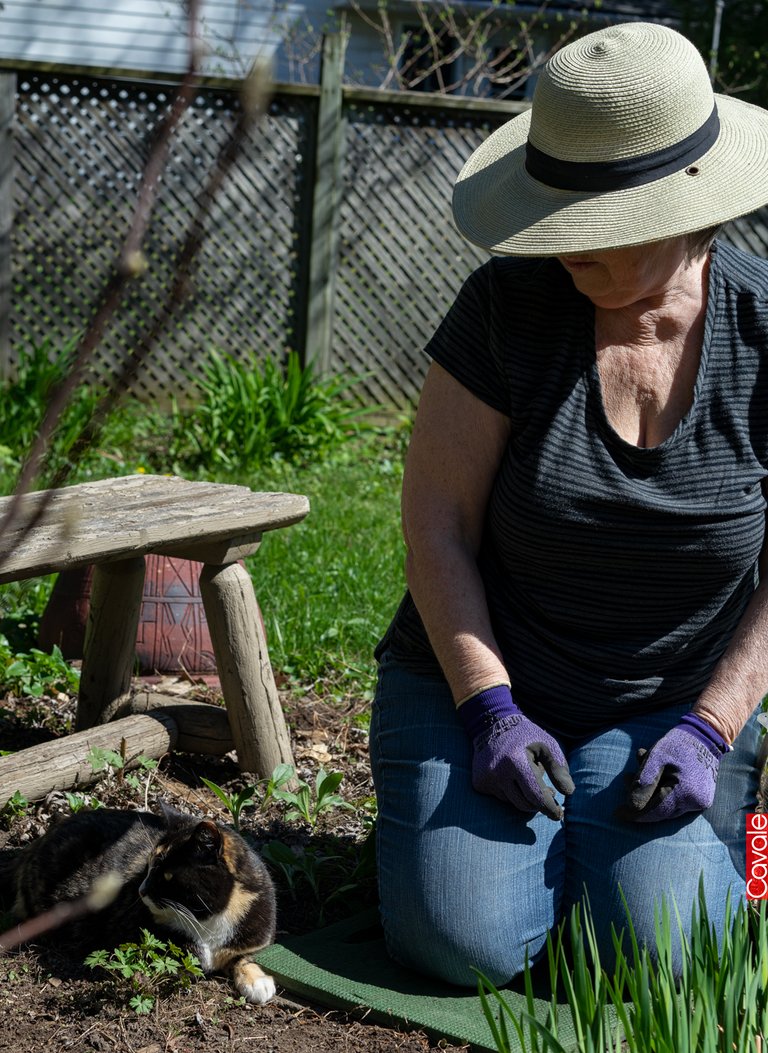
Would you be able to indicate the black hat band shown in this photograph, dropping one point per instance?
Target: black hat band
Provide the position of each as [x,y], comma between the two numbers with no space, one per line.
[601,176]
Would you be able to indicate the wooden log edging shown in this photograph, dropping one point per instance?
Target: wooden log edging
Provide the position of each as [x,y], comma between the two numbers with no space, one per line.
[62,764]
[202,728]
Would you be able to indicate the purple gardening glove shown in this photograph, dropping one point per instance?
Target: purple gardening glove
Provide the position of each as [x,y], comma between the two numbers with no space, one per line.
[512,754]
[678,775]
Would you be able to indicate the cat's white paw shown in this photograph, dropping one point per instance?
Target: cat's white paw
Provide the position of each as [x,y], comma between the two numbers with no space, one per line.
[254,985]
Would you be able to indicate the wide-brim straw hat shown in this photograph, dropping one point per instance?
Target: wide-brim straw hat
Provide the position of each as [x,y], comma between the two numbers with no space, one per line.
[625,143]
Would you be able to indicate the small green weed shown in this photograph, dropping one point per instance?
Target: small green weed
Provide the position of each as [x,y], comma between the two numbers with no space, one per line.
[104,760]
[115,764]
[82,801]
[309,805]
[16,805]
[149,967]
[280,777]
[236,802]
[139,783]
[17,974]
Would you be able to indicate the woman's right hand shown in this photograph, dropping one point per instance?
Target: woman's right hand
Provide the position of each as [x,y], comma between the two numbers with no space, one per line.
[512,754]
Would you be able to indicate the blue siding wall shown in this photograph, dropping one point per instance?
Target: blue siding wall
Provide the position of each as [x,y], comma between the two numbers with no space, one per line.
[145,35]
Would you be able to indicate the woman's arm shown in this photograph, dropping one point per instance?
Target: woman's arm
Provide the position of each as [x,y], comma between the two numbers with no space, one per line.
[458,442]
[740,678]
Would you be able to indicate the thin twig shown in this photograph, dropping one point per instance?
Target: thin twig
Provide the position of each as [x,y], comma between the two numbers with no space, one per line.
[105,889]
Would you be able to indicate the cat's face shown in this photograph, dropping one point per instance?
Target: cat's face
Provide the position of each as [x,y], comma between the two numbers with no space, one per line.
[188,880]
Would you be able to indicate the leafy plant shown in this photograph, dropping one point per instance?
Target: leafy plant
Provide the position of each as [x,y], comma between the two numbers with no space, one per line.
[104,760]
[147,766]
[280,777]
[79,801]
[309,805]
[113,763]
[16,805]
[36,673]
[148,967]
[330,877]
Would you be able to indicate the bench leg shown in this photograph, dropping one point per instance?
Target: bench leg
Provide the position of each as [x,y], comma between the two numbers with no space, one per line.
[110,640]
[253,706]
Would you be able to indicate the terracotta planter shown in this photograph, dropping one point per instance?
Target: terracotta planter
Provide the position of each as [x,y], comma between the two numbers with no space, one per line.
[65,616]
[173,634]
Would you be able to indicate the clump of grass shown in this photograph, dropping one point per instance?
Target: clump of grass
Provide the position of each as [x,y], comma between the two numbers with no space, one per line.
[250,409]
[129,437]
[718,1003]
[335,580]
[39,369]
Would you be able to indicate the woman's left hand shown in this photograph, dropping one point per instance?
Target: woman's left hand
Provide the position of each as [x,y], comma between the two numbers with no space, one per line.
[678,775]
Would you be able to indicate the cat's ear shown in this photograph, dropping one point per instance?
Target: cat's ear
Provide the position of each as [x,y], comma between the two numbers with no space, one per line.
[169,813]
[207,836]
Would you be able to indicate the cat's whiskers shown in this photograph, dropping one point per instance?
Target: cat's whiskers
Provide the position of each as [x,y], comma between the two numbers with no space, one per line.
[186,915]
[209,935]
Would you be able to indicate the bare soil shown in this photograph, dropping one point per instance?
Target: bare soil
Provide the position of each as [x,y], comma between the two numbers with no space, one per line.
[50,1003]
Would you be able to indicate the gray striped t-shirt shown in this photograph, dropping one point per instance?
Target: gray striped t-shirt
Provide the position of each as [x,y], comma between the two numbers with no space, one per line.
[615,575]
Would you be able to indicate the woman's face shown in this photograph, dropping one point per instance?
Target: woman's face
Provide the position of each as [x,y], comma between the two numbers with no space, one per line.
[615,278]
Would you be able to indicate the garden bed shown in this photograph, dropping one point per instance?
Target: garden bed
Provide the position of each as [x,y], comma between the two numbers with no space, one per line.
[49,1002]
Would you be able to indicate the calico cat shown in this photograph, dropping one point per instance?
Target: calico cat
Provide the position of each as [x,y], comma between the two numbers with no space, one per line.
[190,879]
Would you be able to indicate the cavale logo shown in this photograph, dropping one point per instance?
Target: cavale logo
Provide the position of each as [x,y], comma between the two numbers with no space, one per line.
[757,856]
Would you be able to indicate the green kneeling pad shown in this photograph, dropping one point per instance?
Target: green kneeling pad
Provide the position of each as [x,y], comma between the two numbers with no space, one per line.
[346,966]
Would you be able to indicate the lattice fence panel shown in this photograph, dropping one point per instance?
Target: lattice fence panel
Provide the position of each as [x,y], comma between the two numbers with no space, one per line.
[81,144]
[750,233]
[401,260]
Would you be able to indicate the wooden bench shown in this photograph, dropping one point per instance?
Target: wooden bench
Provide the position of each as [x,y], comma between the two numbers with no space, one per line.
[113,524]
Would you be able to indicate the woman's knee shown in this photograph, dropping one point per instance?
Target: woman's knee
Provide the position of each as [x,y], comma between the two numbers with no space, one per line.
[455,946]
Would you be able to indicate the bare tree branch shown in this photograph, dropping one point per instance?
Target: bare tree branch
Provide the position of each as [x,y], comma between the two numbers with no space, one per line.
[130,265]
[455,48]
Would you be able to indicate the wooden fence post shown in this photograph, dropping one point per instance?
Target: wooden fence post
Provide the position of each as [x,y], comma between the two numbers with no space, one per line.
[326,199]
[7,112]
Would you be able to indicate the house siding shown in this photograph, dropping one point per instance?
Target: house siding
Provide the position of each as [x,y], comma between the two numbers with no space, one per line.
[147,35]
[150,35]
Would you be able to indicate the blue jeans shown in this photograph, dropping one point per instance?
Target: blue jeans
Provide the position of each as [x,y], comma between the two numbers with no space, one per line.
[466,880]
